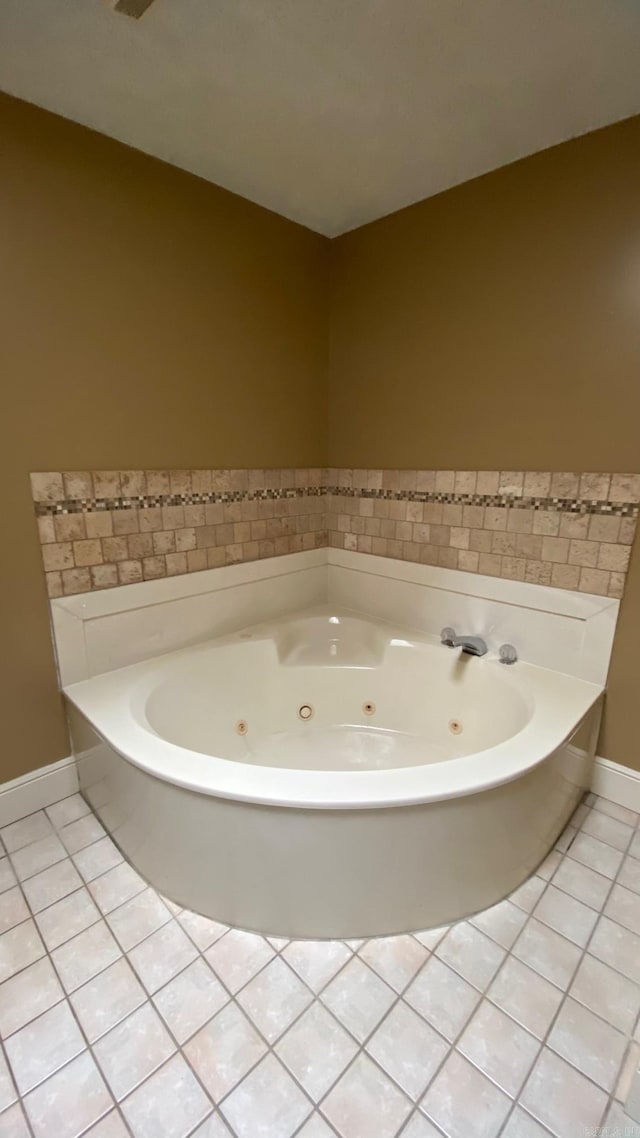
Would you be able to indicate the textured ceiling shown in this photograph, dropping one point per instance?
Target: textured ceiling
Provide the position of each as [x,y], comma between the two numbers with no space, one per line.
[331,112]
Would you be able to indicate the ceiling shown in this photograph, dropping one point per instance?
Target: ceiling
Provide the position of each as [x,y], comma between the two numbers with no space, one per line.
[330,112]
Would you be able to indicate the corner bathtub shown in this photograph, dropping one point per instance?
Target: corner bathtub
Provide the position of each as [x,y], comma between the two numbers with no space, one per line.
[328,775]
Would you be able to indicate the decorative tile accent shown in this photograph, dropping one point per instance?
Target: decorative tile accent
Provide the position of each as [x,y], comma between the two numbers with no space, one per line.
[521,1021]
[105,528]
[572,531]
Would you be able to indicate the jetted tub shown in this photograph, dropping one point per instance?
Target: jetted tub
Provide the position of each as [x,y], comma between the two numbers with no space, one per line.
[328,775]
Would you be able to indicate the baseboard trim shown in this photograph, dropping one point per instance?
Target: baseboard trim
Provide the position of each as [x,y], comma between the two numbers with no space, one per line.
[617,783]
[36,789]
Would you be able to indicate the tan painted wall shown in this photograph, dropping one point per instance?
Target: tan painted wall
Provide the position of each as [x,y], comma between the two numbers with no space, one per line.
[498,326]
[148,319]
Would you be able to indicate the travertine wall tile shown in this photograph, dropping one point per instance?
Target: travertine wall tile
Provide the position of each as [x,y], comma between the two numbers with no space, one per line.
[102,528]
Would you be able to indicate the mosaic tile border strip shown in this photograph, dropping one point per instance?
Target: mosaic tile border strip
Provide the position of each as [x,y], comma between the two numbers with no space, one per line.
[99,529]
[559,505]
[92,505]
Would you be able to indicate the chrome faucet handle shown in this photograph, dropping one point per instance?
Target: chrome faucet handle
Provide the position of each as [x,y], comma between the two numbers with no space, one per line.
[507,653]
[448,637]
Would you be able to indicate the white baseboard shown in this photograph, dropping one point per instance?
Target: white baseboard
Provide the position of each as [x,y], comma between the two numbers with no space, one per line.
[617,783]
[36,789]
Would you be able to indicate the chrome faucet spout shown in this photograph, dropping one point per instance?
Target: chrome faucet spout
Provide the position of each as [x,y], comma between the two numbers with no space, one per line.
[472,645]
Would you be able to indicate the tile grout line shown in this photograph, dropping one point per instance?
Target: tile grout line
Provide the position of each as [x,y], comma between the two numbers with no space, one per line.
[353,954]
[565,996]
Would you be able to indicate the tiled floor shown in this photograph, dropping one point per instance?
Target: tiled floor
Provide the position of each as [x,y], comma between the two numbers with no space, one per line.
[121,1014]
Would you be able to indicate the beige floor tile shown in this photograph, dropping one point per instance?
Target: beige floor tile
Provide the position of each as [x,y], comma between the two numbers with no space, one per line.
[396,959]
[366,1102]
[620,1123]
[43,1046]
[82,957]
[566,915]
[463,1102]
[316,1127]
[162,955]
[8,1092]
[224,1050]
[499,1047]
[138,918]
[547,952]
[503,922]
[131,1051]
[596,854]
[430,938]
[627,1073]
[116,886]
[420,1127]
[629,874]
[214,1127]
[237,956]
[620,813]
[588,1043]
[168,1104]
[442,997]
[51,885]
[13,1123]
[37,856]
[606,829]
[561,1098]
[527,895]
[30,829]
[190,1000]
[19,947]
[66,918]
[97,858]
[526,996]
[83,832]
[274,999]
[317,961]
[475,956]
[607,993]
[13,909]
[111,1126]
[623,906]
[522,1125]
[27,995]
[203,932]
[358,998]
[267,1102]
[107,999]
[67,810]
[554,857]
[582,883]
[7,876]
[316,1050]
[68,1102]
[407,1056]
[408,1049]
[616,946]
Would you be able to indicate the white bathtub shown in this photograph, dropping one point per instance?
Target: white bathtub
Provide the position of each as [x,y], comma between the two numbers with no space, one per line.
[425,785]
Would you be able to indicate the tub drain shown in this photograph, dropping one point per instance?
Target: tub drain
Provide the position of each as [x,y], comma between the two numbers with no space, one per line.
[369,708]
[242,727]
[305,711]
[455,726]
